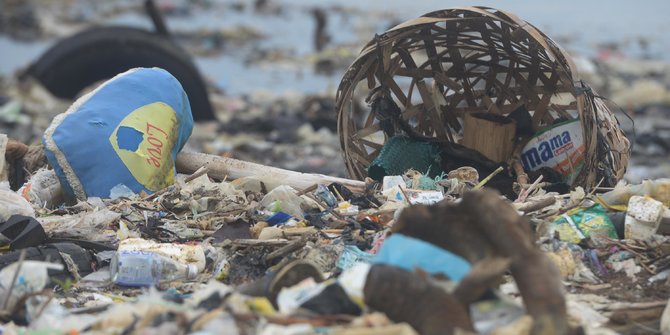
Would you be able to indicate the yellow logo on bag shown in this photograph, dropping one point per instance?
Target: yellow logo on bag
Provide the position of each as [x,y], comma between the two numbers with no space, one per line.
[144,140]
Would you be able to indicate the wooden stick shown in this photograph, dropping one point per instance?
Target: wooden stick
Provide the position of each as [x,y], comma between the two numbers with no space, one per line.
[339,231]
[3,163]
[486,180]
[221,167]
[526,192]
[517,166]
[45,304]
[199,172]
[260,243]
[287,249]
[22,257]
[535,205]
[636,305]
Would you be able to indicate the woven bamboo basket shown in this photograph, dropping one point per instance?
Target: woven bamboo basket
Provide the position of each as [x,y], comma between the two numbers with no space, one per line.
[447,63]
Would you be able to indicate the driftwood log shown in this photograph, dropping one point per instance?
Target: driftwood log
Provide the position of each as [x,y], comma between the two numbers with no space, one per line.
[229,168]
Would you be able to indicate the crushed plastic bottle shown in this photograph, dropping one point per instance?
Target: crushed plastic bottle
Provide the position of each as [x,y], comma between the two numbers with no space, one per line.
[140,268]
[324,194]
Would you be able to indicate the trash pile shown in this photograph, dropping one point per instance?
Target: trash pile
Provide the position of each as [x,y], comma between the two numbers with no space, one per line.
[257,258]
[255,249]
[111,225]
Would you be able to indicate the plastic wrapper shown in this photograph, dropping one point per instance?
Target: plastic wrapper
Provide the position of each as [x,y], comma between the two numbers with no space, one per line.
[90,226]
[580,223]
[560,147]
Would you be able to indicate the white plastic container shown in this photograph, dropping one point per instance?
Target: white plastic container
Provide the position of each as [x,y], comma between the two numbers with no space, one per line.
[643,217]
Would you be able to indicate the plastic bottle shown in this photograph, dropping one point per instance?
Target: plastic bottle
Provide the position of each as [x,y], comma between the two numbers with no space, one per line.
[141,268]
[182,253]
[43,189]
[325,195]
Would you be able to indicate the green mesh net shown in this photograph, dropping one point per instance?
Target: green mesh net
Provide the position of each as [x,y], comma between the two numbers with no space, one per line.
[400,154]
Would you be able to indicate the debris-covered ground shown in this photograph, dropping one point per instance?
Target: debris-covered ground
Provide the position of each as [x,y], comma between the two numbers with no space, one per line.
[235,247]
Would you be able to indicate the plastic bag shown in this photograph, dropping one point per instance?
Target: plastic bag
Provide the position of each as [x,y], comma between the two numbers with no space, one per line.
[12,203]
[32,277]
[283,199]
[90,226]
[581,223]
[126,132]
[658,189]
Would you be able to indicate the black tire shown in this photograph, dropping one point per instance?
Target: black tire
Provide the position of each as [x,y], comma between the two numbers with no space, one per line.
[100,53]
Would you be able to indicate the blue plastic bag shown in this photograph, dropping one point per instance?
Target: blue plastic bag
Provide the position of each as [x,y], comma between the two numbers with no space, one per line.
[126,132]
[409,253]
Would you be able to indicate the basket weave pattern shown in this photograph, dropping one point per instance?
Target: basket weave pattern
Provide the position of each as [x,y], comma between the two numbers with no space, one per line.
[450,62]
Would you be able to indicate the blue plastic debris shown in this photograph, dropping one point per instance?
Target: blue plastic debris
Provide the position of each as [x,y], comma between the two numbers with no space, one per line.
[410,253]
[352,255]
[277,218]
